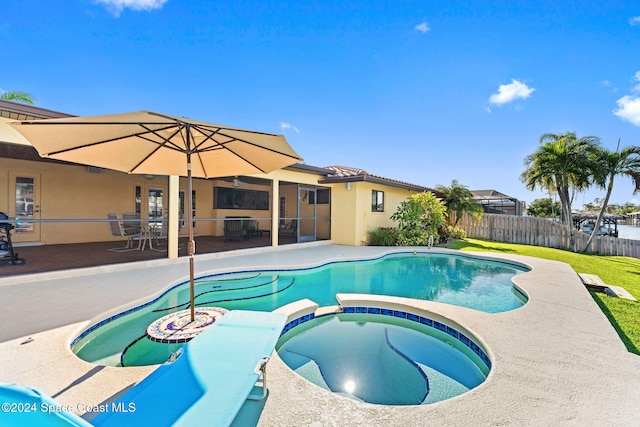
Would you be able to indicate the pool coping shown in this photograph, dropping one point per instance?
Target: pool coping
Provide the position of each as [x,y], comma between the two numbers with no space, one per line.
[556,360]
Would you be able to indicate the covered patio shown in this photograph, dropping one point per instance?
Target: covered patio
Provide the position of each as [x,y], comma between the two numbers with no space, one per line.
[54,203]
[48,258]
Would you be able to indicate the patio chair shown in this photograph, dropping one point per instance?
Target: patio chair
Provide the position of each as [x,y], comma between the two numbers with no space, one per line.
[131,222]
[120,230]
[157,233]
[235,229]
[290,229]
[254,230]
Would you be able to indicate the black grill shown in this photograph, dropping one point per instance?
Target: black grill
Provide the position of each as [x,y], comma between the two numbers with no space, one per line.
[6,247]
[3,222]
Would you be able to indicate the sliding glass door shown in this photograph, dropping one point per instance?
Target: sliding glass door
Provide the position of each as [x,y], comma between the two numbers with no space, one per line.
[305,213]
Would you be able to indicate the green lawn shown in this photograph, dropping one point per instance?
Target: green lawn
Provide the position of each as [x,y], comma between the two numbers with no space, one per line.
[624,315]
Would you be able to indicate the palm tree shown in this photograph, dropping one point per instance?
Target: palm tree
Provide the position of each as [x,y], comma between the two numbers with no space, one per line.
[564,163]
[459,199]
[625,162]
[18,96]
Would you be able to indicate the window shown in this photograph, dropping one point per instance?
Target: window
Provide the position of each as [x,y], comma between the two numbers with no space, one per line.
[377,201]
[138,200]
[25,193]
[155,207]
[234,198]
[322,195]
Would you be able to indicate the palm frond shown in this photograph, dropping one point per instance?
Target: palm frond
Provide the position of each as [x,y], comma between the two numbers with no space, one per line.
[18,96]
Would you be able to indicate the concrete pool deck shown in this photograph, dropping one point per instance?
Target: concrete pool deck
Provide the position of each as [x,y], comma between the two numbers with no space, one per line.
[556,361]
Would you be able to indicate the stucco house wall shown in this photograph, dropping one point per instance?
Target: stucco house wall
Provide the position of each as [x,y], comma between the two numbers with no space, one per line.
[353,217]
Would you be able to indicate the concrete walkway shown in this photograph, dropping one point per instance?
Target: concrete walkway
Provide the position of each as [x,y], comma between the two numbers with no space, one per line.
[556,361]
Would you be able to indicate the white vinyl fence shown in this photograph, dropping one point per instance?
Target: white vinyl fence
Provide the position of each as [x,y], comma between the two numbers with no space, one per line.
[543,232]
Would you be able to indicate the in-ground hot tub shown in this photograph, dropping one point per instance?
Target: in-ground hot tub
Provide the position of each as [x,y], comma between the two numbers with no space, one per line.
[384,356]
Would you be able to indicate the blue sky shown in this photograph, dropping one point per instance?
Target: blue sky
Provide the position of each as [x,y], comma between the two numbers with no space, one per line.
[420,91]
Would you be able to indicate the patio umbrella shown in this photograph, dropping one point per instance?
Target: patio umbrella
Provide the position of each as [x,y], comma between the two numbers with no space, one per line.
[145,142]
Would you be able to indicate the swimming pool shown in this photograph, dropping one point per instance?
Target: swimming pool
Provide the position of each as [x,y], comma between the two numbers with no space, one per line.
[481,284]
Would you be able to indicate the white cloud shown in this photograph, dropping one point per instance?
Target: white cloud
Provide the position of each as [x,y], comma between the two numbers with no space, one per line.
[423,27]
[629,109]
[635,20]
[510,92]
[117,6]
[607,84]
[636,77]
[629,105]
[284,126]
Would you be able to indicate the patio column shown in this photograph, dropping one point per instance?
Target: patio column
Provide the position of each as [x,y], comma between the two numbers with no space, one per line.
[275,211]
[174,217]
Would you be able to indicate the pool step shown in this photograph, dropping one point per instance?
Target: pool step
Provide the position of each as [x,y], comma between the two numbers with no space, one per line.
[595,283]
[441,386]
[311,371]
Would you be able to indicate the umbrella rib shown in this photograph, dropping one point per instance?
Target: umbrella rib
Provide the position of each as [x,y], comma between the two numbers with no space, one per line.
[165,143]
[208,137]
[139,135]
[223,146]
[177,121]
[223,128]
[196,124]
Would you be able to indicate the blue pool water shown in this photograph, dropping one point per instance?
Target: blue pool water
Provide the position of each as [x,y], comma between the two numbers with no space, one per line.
[454,279]
[381,360]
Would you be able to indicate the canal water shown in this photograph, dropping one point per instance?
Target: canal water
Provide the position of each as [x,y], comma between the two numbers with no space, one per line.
[628,232]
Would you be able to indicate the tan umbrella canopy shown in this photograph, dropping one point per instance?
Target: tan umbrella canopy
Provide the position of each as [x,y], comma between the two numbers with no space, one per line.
[9,135]
[144,142]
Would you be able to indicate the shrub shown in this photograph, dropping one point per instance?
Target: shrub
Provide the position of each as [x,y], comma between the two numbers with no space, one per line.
[420,216]
[414,237]
[383,237]
[455,233]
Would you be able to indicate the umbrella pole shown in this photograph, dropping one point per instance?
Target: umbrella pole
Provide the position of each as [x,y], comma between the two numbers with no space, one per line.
[191,245]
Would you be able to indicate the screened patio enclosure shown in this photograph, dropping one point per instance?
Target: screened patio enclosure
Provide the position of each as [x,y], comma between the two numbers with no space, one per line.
[305,212]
